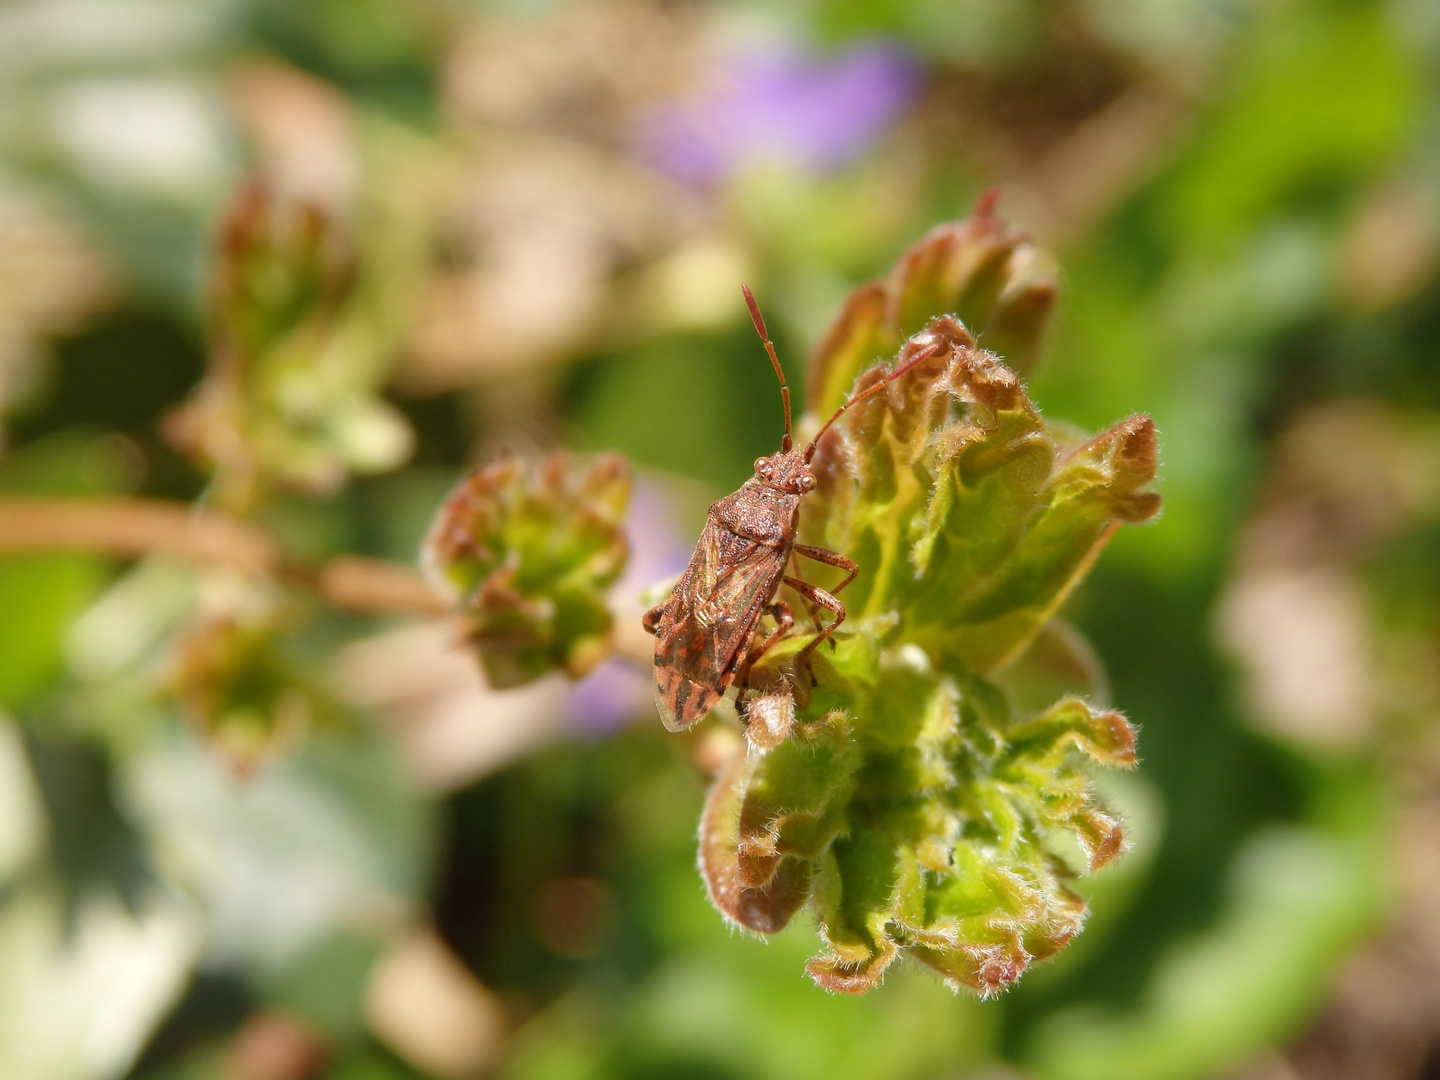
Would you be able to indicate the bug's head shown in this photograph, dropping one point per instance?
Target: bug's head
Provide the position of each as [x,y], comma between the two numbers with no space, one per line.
[786,471]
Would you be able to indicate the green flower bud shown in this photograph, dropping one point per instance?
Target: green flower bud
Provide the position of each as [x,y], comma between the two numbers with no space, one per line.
[913,784]
[528,550]
[299,350]
[235,684]
[278,265]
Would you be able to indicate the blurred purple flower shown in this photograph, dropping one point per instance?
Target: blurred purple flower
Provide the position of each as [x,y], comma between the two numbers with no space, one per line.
[608,698]
[657,550]
[773,104]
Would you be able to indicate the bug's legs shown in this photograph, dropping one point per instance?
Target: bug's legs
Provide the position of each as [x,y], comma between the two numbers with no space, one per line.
[830,558]
[811,609]
[651,619]
[784,618]
[820,597]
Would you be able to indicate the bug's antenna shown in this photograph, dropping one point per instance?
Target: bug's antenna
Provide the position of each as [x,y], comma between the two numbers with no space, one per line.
[774,360]
[923,354]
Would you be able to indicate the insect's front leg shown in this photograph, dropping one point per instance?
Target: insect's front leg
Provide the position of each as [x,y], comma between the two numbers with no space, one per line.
[651,619]
[820,597]
[830,558]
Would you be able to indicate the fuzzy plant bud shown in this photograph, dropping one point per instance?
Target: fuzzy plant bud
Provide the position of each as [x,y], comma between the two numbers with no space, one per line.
[238,687]
[528,550]
[279,264]
[299,350]
[982,270]
[914,786]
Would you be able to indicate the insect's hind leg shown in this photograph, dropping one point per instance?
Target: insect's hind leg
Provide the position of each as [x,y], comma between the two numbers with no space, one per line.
[829,558]
[811,609]
[651,619]
[821,598]
[784,618]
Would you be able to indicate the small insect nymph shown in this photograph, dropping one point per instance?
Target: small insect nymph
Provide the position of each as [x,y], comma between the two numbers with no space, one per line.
[705,631]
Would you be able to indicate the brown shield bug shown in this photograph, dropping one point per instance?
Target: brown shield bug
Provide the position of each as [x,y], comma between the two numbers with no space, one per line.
[704,632]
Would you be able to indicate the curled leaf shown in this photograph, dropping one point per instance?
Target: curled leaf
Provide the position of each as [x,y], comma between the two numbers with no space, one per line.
[983,270]
[978,522]
[767,906]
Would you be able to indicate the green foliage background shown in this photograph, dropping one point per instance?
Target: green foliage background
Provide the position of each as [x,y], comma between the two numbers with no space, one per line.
[1266,261]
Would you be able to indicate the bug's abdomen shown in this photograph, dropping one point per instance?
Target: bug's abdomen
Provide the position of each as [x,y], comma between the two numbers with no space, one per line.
[710,620]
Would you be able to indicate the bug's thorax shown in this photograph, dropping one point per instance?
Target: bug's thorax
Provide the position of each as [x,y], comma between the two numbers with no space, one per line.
[764,509]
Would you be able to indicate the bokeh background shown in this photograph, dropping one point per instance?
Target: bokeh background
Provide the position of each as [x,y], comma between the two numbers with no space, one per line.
[550,207]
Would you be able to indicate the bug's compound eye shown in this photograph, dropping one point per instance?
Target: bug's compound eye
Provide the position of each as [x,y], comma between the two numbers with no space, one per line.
[762,466]
[807,483]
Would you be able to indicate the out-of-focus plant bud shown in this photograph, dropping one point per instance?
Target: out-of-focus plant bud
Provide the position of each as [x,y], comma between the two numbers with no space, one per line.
[982,270]
[298,355]
[278,265]
[233,681]
[528,550]
[921,800]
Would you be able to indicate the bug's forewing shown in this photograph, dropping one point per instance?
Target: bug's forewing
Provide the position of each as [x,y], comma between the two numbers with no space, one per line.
[709,622]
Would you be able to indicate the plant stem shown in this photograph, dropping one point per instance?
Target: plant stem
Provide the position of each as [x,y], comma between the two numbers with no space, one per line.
[136,527]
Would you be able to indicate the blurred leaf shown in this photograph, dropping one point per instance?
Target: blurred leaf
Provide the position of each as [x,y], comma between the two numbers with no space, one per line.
[94,848]
[325,985]
[1298,900]
[334,835]
[41,595]
[1289,128]
[58,980]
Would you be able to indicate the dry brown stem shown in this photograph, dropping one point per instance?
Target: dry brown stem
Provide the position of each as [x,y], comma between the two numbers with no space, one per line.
[130,528]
